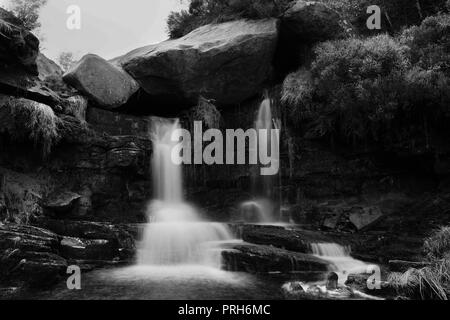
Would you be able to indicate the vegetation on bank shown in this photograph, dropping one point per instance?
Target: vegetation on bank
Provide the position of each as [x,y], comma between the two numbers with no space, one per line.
[381,89]
[30,121]
[432,282]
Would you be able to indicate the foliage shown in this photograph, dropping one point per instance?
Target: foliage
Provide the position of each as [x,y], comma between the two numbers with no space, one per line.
[379,89]
[438,245]
[66,60]
[32,121]
[202,12]
[429,43]
[396,14]
[426,283]
[27,11]
[431,282]
[206,112]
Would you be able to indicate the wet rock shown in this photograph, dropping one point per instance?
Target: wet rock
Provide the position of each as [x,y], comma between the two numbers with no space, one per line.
[27,238]
[289,239]
[312,21]
[359,282]
[365,217]
[117,237]
[39,269]
[105,84]
[332,281]
[263,259]
[29,255]
[211,61]
[84,249]
[63,203]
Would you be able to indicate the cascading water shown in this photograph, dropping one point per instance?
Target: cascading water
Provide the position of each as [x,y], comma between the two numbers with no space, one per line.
[339,257]
[262,208]
[175,234]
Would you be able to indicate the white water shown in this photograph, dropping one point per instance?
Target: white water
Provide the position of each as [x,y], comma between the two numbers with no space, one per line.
[262,209]
[176,235]
[339,257]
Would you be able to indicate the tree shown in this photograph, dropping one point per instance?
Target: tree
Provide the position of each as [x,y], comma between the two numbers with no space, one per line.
[27,11]
[66,60]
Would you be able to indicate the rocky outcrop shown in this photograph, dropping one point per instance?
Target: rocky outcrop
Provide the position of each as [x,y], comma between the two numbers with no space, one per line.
[226,62]
[289,239]
[311,22]
[263,259]
[29,254]
[105,84]
[86,239]
[18,46]
[86,249]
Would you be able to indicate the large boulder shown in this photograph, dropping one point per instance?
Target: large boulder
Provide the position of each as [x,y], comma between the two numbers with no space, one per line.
[18,46]
[227,62]
[104,83]
[311,21]
[48,68]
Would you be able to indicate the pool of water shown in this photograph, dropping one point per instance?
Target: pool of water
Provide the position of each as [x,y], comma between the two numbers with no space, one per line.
[168,283]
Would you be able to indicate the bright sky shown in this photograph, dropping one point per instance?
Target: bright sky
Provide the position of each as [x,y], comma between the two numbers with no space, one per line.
[109,28]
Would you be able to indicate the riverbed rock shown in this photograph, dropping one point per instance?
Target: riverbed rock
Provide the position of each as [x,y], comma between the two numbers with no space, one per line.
[27,238]
[112,238]
[263,259]
[29,255]
[84,249]
[227,62]
[312,21]
[106,85]
[280,237]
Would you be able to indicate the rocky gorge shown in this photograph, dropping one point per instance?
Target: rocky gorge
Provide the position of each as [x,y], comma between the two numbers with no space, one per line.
[83,201]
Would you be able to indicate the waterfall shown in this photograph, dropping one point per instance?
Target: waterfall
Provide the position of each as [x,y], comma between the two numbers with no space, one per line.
[175,234]
[261,209]
[339,257]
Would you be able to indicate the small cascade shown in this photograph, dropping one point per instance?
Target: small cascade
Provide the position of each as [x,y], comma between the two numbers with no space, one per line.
[176,235]
[257,211]
[339,257]
[262,209]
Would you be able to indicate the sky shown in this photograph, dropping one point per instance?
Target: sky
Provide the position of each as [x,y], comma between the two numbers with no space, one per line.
[109,28]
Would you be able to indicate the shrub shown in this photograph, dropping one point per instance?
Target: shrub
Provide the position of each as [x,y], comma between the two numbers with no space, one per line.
[438,245]
[32,121]
[396,14]
[429,43]
[206,112]
[353,91]
[374,90]
[427,283]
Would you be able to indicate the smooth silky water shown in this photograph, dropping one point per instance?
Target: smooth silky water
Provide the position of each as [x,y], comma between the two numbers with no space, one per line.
[180,255]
